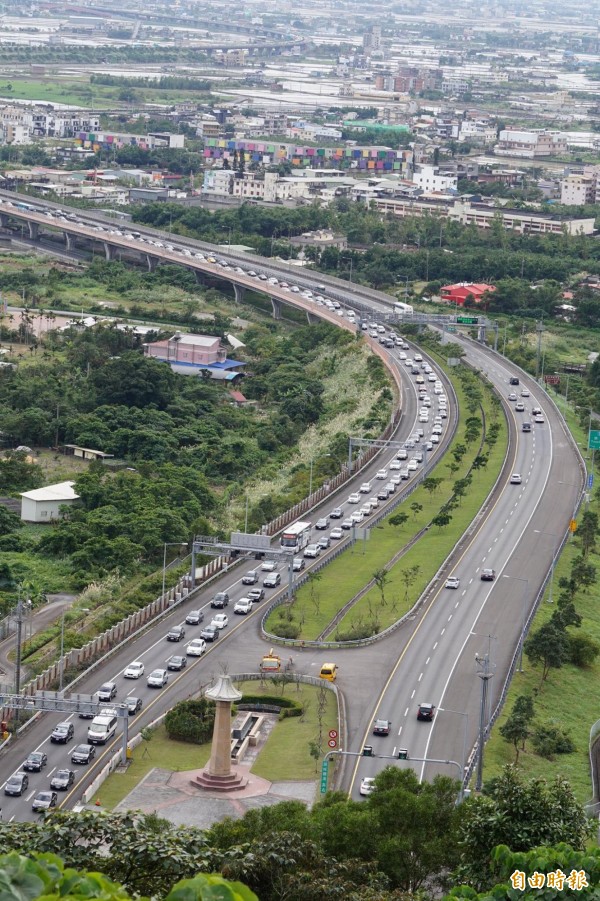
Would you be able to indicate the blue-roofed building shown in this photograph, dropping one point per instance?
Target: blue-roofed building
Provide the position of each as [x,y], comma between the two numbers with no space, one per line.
[194,354]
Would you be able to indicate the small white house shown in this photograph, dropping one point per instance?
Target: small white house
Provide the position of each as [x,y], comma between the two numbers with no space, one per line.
[43,504]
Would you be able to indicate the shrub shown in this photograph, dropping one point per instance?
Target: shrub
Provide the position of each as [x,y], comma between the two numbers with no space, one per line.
[583,650]
[288,630]
[191,721]
[287,705]
[548,739]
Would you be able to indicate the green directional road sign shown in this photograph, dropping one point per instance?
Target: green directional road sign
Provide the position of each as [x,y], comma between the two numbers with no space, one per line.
[467,320]
[594,440]
[324,776]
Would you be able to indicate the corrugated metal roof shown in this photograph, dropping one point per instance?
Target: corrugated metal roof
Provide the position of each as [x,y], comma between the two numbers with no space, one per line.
[61,491]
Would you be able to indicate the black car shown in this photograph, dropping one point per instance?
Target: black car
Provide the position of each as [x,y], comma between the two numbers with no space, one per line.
[425,712]
[210,633]
[272,580]
[44,801]
[513,380]
[134,705]
[177,633]
[62,780]
[256,594]
[16,784]
[107,692]
[220,600]
[63,733]
[83,754]
[488,575]
[176,662]
[194,617]
[36,761]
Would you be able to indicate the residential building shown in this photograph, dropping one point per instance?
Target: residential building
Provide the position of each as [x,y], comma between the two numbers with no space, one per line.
[190,354]
[430,180]
[577,190]
[530,144]
[458,294]
[44,504]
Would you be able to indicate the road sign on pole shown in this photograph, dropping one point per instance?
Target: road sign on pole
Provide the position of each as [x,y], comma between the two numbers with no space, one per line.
[573,525]
[324,776]
[594,439]
[590,480]
[333,733]
[332,743]
[467,320]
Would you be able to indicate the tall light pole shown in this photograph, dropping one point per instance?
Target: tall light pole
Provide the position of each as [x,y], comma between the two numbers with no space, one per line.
[522,639]
[167,544]
[21,606]
[554,549]
[62,644]
[312,460]
[484,673]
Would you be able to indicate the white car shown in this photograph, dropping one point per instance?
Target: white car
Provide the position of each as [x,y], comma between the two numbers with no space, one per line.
[437,430]
[435,439]
[196,647]
[268,566]
[516,478]
[365,488]
[243,606]
[367,785]
[402,454]
[336,533]
[313,550]
[424,418]
[525,392]
[452,582]
[134,670]
[354,498]
[395,464]
[382,474]
[366,509]
[158,678]
[357,517]
[412,465]
[396,478]
[374,503]
[220,621]
[539,418]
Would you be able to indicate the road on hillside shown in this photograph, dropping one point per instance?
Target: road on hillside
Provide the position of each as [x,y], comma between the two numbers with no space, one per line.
[517,538]
[240,647]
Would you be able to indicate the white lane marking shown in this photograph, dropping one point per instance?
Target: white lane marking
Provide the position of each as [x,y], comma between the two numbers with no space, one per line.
[443,630]
[29,797]
[464,591]
[450,617]
[435,646]
[406,712]
[394,751]
[427,661]
[456,605]
[400,731]
[420,677]
[51,771]
[413,694]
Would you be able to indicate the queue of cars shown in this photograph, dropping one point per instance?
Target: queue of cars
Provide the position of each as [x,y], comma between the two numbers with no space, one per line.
[82,752]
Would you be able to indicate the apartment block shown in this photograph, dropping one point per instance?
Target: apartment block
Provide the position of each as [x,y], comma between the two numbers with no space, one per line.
[530,144]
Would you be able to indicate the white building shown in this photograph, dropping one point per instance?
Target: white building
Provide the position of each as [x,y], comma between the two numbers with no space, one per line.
[43,504]
[430,181]
[477,132]
[530,144]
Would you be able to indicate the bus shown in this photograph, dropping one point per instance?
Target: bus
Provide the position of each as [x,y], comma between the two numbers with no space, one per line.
[403,308]
[296,536]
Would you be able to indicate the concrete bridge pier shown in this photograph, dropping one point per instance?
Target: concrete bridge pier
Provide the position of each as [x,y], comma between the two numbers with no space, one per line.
[200,276]
[34,228]
[69,240]
[276,304]
[109,251]
[152,262]
[239,291]
[3,220]
[312,319]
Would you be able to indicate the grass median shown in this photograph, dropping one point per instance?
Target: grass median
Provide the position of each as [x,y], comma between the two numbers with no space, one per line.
[322,597]
[564,698]
[285,755]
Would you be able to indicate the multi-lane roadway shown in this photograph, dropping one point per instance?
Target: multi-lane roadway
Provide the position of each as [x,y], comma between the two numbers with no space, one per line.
[432,658]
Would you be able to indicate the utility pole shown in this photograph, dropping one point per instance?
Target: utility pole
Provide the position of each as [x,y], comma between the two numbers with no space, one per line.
[18,657]
[539,327]
[485,675]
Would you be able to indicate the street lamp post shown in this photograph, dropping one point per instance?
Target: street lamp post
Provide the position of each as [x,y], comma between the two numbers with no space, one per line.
[312,460]
[62,644]
[164,572]
[522,639]
[485,674]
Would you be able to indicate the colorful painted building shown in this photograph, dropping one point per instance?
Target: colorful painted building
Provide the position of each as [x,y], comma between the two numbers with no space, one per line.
[368,158]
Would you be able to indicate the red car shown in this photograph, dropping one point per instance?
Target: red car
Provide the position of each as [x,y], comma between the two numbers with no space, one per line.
[381,727]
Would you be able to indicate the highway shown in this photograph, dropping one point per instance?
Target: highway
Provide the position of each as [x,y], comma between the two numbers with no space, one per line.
[517,539]
[432,658]
[232,649]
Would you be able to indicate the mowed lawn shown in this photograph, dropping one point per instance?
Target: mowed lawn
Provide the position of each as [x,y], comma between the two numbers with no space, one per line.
[285,755]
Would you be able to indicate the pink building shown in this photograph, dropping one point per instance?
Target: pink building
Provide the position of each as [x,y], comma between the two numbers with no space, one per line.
[195,350]
[188,354]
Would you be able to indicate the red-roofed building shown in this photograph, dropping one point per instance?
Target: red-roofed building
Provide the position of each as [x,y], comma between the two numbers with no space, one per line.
[457,294]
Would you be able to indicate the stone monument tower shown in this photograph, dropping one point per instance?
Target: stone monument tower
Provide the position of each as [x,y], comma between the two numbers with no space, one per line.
[219,775]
